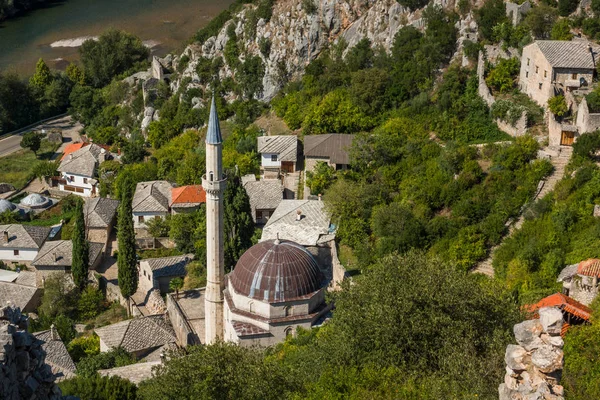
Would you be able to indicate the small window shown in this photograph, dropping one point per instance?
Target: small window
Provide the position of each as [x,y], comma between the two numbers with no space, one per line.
[288,311]
[251,306]
[149,277]
[537,69]
[540,86]
[84,180]
[273,157]
[573,76]
[211,176]
[527,74]
[288,331]
[141,218]
[528,61]
[72,178]
[16,252]
[545,74]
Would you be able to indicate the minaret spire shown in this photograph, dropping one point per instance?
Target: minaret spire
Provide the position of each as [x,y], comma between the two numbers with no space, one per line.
[214,184]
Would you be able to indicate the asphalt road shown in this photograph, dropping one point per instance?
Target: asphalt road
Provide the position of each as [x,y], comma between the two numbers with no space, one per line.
[10,145]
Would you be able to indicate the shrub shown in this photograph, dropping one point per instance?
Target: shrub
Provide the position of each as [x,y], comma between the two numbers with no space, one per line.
[593,102]
[117,357]
[90,304]
[502,77]
[99,388]
[309,6]
[558,105]
[320,179]
[84,346]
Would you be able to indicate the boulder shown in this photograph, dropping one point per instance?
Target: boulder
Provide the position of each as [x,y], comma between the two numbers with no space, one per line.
[528,334]
[515,357]
[547,358]
[551,319]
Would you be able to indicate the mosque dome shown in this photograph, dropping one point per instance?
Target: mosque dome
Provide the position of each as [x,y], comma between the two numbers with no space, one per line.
[35,200]
[6,205]
[276,271]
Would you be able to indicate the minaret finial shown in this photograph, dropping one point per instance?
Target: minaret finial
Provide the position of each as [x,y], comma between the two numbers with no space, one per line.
[213,135]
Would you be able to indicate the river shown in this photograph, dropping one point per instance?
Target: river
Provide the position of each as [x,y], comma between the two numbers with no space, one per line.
[167,24]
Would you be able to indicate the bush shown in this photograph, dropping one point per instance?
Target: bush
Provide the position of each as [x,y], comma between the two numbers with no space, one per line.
[117,357]
[90,304]
[65,327]
[99,388]
[593,102]
[502,77]
[320,179]
[309,6]
[558,105]
[83,346]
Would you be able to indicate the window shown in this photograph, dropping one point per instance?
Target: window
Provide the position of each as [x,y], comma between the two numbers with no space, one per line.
[537,69]
[71,178]
[288,311]
[527,74]
[288,331]
[540,86]
[84,180]
[251,306]
[573,76]
[528,61]
[15,252]
[211,176]
[545,74]
[273,157]
[140,218]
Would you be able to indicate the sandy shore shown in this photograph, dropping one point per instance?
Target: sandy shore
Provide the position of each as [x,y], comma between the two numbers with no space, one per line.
[75,42]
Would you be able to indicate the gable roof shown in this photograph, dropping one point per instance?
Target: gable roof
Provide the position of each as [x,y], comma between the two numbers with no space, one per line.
[312,228]
[264,195]
[57,355]
[83,161]
[19,295]
[589,267]
[138,333]
[565,303]
[188,196]
[135,373]
[99,212]
[286,146]
[567,54]
[59,253]
[334,146]
[24,236]
[168,266]
[152,196]
[73,147]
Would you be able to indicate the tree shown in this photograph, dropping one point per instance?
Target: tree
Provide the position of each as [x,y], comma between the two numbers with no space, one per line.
[502,76]
[80,263]
[561,30]
[75,74]
[239,227]
[540,20]
[99,388]
[321,178]
[176,284]
[159,227]
[558,105]
[90,304]
[41,78]
[126,259]
[413,4]
[489,15]
[566,7]
[32,141]
[58,298]
[116,357]
[596,7]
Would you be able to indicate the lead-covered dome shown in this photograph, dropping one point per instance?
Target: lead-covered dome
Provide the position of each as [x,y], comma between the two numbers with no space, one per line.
[276,271]
[6,205]
[35,200]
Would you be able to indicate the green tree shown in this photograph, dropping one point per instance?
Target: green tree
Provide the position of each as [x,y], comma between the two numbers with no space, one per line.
[65,327]
[45,169]
[239,227]
[320,179]
[558,105]
[80,264]
[176,284]
[596,7]
[413,4]
[566,7]
[41,78]
[502,77]
[561,30]
[75,74]
[58,298]
[126,259]
[159,227]
[84,346]
[116,357]
[99,388]
[490,14]
[540,20]
[90,304]
[32,141]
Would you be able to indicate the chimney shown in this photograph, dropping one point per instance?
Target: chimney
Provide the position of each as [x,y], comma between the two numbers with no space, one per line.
[298,215]
[54,333]
[55,256]
[5,236]
[320,197]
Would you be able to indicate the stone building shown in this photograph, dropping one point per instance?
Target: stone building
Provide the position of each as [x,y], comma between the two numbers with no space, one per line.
[57,257]
[26,297]
[20,244]
[156,273]
[278,154]
[265,196]
[57,356]
[151,200]
[187,198]
[332,149]
[78,170]
[580,281]
[100,216]
[551,66]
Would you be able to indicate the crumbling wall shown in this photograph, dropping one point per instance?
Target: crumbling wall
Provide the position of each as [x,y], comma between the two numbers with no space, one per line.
[23,371]
[484,91]
[534,365]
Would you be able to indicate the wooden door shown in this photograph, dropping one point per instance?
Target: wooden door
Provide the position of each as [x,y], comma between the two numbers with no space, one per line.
[567,138]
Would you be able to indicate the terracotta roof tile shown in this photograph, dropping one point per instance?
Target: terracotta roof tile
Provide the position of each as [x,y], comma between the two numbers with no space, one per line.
[193,194]
[565,303]
[589,267]
[72,148]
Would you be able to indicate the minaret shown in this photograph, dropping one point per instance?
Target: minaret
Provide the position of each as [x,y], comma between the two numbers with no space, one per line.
[214,185]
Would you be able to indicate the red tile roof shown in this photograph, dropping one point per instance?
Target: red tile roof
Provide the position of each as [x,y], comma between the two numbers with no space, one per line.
[589,267]
[73,147]
[188,194]
[565,303]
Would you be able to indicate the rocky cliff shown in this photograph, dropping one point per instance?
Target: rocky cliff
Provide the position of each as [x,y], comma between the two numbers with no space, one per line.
[23,373]
[296,36]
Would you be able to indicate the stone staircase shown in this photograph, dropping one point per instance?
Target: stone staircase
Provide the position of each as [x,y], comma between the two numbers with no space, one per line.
[559,157]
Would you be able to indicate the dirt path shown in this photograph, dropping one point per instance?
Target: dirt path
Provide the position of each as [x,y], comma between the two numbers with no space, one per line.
[559,162]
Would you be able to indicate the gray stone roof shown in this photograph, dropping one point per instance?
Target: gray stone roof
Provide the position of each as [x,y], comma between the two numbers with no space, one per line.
[84,161]
[567,54]
[26,278]
[23,236]
[59,253]
[313,225]
[264,195]
[6,205]
[138,333]
[333,146]
[152,196]
[135,373]
[57,355]
[99,212]
[168,266]
[285,146]
[18,295]
[567,272]
[213,134]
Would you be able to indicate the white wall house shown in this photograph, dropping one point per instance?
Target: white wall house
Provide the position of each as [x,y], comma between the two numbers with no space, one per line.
[20,244]
[278,153]
[78,184]
[141,218]
[270,160]
[78,170]
[151,200]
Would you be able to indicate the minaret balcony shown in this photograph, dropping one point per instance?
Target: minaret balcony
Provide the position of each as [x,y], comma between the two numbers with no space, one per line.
[214,187]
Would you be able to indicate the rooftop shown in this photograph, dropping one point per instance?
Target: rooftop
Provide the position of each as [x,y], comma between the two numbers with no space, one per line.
[57,355]
[311,229]
[84,160]
[245,329]
[138,334]
[589,267]
[135,373]
[23,236]
[284,145]
[168,266]
[264,195]
[213,134]
[565,303]
[18,295]
[152,196]
[567,54]
[188,196]
[334,146]
[60,253]
[99,212]
[73,147]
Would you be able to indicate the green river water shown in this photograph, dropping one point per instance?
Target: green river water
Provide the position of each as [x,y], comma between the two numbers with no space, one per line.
[166,23]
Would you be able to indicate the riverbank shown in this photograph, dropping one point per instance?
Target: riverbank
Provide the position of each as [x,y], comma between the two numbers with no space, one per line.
[20,7]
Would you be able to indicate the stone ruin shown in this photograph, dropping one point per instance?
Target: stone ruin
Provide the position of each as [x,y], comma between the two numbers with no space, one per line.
[23,373]
[534,365]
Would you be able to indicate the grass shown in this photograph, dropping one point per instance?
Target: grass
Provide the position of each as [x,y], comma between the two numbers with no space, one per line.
[347,258]
[157,253]
[17,168]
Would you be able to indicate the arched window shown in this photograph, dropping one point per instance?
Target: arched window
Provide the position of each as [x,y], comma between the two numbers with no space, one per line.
[210,176]
[251,306]
[288,331]
[288,310]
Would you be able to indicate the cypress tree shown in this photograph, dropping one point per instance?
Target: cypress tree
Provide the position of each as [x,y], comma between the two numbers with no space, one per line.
[80,255]
[238,224]
[126,259]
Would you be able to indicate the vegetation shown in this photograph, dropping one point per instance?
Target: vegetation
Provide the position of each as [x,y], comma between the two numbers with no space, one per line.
[502,77]
[99,388]
[558,105]
[32,141]
[117,357]
[21,166]
[320,179]
[80,256]
[126,259]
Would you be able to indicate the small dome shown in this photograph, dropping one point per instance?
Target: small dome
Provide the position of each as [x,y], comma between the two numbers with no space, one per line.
[35,200]
[276,271]
[6,205]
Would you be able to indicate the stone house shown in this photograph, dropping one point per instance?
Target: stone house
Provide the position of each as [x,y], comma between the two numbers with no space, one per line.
[156,273]
[332,149]
[278,154]
[57,256]
[20,244]
[187,198]
[100,218]
[151,200]
[57,356]
[26,297]
[265,196]
[551,66]
[140,337]
[78,170]
[580,281]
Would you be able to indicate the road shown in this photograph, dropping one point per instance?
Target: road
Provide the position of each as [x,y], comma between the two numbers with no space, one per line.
[70,135]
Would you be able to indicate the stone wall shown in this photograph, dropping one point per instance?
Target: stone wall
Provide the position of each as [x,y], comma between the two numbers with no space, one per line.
[516,12]
[584,289]
[23,371]
[339,272]
[183,331]
[587,121]
[155,303]
[518,129]
[484,91]
[534,365]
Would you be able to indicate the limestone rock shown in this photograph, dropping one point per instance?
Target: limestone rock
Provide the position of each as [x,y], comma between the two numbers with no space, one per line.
[528,333]
[515,357]
[551,319]
[547,358]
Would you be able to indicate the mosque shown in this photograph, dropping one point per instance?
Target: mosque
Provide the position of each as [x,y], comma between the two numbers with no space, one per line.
[275,287]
